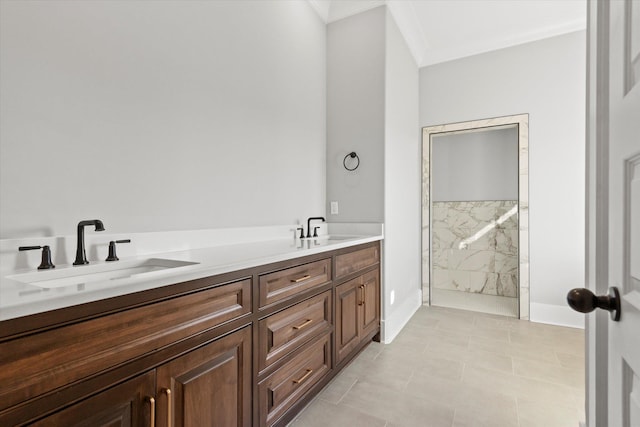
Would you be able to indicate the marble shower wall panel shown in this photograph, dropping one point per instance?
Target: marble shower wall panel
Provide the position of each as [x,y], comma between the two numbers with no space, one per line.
[425,226]
[475,246]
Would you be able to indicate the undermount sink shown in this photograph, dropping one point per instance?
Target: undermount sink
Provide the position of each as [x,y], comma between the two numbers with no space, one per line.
[100,273]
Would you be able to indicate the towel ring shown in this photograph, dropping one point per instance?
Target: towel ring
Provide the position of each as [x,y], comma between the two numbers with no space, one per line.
[352,155]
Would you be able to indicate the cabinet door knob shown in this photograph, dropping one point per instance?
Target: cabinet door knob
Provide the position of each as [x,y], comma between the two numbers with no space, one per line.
[584,301]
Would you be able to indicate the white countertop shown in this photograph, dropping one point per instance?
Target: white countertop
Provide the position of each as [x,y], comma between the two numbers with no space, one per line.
[19,299]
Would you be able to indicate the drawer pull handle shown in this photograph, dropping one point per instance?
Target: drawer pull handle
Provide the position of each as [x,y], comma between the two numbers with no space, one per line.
[167,391]
[305,277]
[304,324]
[152,409]
[304,377]
[361,302]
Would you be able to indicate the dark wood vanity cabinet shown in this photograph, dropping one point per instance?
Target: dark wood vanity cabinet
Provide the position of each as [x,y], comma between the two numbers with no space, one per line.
[129,404]
[247,348]
[357,313]
[210,386]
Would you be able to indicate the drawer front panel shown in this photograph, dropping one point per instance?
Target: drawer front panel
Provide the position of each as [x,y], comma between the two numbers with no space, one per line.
[356,261]
[284,387]
[41,362]
[287,330]
[286,283]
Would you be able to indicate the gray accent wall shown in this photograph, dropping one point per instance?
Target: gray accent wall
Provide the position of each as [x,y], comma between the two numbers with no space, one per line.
[478,165]
[355,115]
[160,115]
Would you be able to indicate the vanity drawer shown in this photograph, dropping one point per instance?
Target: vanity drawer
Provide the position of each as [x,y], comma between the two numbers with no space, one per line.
[44,361]
[283,332]
[283,284]
[287,385]
[357,260]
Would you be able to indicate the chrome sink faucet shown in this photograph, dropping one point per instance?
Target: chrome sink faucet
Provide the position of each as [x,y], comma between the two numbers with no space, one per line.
[81,255]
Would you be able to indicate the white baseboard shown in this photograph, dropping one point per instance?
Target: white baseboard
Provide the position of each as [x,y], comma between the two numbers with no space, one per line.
[561,315]
[392,325]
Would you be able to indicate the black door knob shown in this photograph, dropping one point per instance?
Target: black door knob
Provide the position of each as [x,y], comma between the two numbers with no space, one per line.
[584,301]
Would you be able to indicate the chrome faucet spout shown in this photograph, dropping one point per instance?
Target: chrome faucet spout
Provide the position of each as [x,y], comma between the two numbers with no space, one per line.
[81,255]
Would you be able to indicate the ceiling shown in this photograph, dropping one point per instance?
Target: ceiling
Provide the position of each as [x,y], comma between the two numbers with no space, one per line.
[443,30]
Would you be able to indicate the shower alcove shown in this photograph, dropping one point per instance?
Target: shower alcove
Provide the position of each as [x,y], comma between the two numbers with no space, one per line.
[475,216]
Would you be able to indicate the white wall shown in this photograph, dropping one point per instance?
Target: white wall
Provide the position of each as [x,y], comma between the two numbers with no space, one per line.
[160,115]
[402,289]
[355,115]
[547,80]
[478,165]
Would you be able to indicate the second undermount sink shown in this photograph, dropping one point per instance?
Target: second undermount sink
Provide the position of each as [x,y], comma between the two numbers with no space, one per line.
[102,274]
[338,237]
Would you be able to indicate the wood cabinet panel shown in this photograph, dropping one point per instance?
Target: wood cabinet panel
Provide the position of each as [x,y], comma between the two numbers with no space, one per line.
[357,260]
[285,283]
[39,363]
[210,386]
[283,332]
[357,312]
[347,331]
[284,387]
[125,405]
[370,302]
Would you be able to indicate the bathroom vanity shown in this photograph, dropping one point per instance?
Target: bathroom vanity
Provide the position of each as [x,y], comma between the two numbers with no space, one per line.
[245,347]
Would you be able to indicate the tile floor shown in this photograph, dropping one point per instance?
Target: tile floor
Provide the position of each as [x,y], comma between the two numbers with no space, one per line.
[494,304]
[455,368]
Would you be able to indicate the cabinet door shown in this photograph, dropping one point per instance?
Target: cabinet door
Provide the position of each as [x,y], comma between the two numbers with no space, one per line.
[209,386]
[347,318]
[370,303]
[125,405]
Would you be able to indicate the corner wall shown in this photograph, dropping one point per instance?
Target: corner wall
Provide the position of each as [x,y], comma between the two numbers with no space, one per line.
[402,184]
[372,108]
[547,80]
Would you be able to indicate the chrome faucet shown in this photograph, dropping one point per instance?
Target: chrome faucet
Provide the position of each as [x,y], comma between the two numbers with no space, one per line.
[309,225]
[81,255]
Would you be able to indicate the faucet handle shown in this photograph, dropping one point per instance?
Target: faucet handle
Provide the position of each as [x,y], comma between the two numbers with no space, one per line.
[112,249]
[45,262]
[315,231]
[301,232]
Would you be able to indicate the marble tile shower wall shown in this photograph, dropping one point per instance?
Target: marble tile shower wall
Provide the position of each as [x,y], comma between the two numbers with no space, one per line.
[475,246]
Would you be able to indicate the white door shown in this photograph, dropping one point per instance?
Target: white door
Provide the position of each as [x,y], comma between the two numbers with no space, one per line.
[613,211]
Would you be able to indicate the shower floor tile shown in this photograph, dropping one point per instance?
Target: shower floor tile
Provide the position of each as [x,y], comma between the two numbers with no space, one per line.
[455,368]
[491,304]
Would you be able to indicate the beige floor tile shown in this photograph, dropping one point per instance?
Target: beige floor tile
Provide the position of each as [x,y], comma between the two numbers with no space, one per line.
[391,373]
[572,377]
[485,416]
[455,368]
[338,387]
[571,360]
[532,415]
[538,391]
[322,414]
[399,409]
[439,367]
[520,351]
